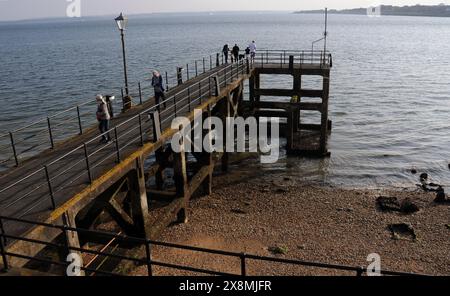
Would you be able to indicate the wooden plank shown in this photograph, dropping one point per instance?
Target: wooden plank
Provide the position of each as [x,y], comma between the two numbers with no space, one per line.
[288,105]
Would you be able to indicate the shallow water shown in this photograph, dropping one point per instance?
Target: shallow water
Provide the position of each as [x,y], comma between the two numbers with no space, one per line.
[389,86]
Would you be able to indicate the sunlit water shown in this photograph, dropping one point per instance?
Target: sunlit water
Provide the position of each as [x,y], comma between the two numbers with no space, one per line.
[389,85]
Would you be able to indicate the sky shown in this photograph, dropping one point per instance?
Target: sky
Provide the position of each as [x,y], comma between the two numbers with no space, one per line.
[35,9]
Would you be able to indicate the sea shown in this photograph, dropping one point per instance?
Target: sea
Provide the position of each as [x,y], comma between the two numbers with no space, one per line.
[389,96]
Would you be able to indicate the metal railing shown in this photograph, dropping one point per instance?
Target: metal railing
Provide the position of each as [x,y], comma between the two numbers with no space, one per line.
[80,164]
[33,138]
[299,57]
[83,163]
[243,259]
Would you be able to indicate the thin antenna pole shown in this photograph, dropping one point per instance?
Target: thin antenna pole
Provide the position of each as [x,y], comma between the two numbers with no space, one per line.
[326,33]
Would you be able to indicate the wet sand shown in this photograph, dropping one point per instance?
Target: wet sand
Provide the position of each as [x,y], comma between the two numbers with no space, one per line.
[311,222]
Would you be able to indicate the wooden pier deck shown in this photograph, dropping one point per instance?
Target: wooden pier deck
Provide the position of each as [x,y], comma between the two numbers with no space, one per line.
[60,185]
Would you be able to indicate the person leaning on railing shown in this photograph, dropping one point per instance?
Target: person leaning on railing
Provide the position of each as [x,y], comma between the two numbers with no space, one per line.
[158,85]
[252,47]
[103,118]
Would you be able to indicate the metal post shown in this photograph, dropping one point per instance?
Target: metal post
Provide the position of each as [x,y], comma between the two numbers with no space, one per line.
[140,93]
[189,97]
[140,129]
[262,60]
[196,68]
[149,258]
[88,165]
[124,62]
[204,66]
[50,188]
[243,267]
[50,132]
[187,71]
[13,145]
[225,75]
[175,104]
[117,145]
[3,247]
[218,60]
[200,91]
[121,92]
[210,63]
[179,75]
[167,82]
[79,120]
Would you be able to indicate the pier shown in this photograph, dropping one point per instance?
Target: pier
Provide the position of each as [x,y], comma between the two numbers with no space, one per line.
[75,179]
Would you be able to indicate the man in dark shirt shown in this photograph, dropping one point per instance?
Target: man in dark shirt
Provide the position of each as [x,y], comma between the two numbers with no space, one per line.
[236,52]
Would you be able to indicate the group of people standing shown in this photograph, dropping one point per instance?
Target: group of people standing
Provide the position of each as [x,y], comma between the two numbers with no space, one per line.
[104,105]
[105,109]
[250,52]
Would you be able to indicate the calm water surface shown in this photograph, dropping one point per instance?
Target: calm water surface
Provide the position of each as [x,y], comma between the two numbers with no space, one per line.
[390,90]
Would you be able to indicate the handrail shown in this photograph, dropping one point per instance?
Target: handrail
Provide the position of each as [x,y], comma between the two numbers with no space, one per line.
[148,243]
[201,89]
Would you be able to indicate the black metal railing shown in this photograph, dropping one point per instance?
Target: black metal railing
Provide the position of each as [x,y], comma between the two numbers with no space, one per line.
[30,140]
[82,165]
[242,259]
[79,165]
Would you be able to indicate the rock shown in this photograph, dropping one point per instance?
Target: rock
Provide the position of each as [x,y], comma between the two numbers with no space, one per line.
[402,231]
[280,190]
[279,250]
[388,204]
[287,179]
[413,171]
[408,207]
[440,196]
[423,177]
[239,211]
[448,226]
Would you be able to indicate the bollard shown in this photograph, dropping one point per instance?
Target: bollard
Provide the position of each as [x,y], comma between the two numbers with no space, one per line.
[179,75]
[291,62]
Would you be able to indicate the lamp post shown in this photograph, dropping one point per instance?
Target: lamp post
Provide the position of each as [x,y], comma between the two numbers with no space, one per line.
[121,24]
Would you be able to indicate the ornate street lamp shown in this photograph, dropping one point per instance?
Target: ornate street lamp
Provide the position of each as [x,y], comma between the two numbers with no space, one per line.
[122,24]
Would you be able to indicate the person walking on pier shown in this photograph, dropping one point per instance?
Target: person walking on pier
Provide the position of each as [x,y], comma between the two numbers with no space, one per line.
[103,118]
[225,52]
[252,47]
[236,52]
[158,85]
[247,53]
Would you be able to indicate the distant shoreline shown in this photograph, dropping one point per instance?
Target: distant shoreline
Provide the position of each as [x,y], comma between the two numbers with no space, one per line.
[388,10]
